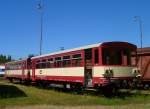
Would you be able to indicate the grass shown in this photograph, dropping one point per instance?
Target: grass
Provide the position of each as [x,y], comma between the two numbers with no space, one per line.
[21,95]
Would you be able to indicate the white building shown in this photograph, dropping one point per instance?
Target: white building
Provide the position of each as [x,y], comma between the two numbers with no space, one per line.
[2,69]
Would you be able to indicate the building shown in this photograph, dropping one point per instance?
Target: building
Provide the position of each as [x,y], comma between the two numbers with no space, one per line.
[2,70]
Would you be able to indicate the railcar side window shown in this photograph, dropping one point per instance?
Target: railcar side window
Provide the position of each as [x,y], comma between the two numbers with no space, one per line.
[14,66]
[50,63]
[43,64]
[38,64]
[76,60]
[96,55]
[58,61]
[66,61]
[106,57]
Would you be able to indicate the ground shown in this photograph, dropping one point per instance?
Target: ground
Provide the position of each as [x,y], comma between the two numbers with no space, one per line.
[16,96]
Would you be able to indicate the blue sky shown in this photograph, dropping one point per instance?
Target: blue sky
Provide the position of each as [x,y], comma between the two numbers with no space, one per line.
[69,24]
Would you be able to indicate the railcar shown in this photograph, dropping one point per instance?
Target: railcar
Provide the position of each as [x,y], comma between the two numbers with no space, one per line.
[18,70]
[92,66]
[143,63]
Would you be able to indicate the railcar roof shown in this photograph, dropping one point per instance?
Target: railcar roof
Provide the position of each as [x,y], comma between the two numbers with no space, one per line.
[15,61]
[145,50]
[69,50]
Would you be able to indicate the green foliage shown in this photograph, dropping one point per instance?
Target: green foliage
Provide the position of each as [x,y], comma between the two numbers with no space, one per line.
[4,58]
[31,55]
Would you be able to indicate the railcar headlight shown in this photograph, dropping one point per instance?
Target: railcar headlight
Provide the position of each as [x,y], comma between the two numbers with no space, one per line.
[108,73]
[136,73]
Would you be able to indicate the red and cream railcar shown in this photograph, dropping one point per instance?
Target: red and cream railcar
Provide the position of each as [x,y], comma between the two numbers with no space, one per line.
[93,65]
[19,70]
[90,66]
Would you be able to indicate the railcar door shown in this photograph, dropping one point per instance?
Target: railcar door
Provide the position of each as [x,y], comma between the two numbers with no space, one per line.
[23,70]
[88,68]
[29,69]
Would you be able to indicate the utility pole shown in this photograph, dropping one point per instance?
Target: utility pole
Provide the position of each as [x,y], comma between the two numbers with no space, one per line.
[139,21]
[40,9]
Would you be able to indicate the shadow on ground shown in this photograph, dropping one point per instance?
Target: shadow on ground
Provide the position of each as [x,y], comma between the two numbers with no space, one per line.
[8,91]
[119,94]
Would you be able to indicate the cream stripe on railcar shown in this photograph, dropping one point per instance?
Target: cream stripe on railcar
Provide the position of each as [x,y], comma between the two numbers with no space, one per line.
[73,71]
[13,72]
[118,71]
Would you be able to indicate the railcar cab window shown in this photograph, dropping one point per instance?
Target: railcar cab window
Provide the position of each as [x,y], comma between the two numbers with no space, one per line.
[58,62]
[111,56]
[127,57]
[76,60]
[116,56]
[66,61]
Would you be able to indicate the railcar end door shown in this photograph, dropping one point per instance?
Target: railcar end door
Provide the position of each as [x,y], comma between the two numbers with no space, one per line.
[88,68]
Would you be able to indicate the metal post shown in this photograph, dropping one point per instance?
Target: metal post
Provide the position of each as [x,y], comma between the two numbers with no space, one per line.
[40,8]
[138,19]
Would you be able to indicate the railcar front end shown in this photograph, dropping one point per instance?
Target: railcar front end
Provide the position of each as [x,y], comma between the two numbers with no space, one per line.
[115,67]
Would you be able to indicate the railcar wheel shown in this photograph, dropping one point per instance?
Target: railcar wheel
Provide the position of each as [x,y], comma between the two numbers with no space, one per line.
[10,80]
[109,90]
[77,88]
[146,86]
[42,84]
[27,82]
[20,81]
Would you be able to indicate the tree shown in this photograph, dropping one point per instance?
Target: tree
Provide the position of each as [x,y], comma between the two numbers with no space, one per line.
[31,55]
[4,58]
